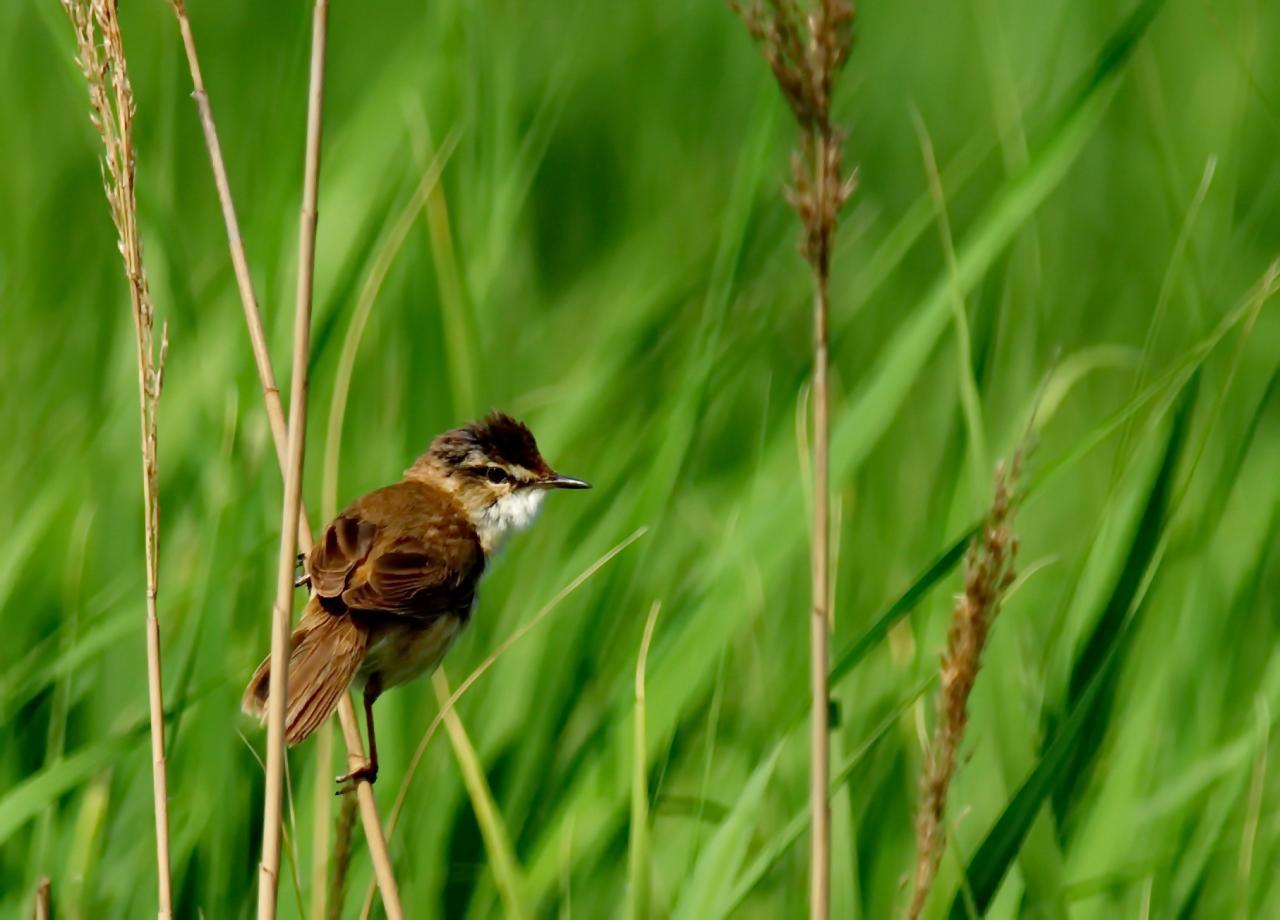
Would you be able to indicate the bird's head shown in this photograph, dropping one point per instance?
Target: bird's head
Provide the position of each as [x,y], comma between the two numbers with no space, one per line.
[495,471]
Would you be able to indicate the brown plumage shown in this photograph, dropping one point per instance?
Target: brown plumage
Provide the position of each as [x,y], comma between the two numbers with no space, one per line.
[394,576]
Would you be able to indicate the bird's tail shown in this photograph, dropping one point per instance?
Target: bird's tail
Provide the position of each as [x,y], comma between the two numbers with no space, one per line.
[325,652]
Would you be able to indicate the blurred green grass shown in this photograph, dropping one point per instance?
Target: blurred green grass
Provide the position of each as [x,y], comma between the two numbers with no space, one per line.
[610,257]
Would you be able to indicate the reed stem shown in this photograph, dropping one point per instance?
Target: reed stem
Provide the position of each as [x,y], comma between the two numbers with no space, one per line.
[282,614]
[805,46]
[276,420]
[100,54]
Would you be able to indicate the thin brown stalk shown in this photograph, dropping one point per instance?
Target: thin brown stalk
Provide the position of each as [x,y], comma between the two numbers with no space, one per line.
[377,843]
[282,615]
[239,261]
[42,899]
[819,628]
[329,491]
[806,46]
[321,810]
[100,53]
[341,861]
[276,418]
[989,573]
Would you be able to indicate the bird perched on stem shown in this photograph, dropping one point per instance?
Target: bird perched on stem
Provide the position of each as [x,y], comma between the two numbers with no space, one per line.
[393,577]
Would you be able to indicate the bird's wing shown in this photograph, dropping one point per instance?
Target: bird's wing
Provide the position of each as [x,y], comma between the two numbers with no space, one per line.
[346,544]
[407,576]
[399,550]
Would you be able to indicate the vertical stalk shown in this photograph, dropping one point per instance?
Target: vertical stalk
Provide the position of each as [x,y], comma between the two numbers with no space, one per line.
[322,813]
[377,843]
[42,899]
[820,555]
[805,46]
[269,868]
[239,260]
[276,420]
[100,53]
[150,378]
[155,689]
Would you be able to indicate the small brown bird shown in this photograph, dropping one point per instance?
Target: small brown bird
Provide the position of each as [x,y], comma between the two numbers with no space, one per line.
[394,576]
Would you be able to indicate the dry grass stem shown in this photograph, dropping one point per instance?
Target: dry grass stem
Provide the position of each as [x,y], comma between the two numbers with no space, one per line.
[42,899]
[239,261]
[989,573]
[341,860]
[806,46]
[100,54]
[382,872]
[321,811]
[275,415]
[282,615]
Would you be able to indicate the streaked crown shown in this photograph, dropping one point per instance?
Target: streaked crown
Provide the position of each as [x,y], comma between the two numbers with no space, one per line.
[496,440]
[497,449]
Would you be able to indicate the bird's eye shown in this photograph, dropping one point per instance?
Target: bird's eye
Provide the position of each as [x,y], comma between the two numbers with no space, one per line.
[495,474]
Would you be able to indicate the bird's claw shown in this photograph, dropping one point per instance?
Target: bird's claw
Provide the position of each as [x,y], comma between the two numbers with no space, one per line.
[367,773]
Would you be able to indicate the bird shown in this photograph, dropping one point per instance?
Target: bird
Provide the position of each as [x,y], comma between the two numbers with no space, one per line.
[393,578]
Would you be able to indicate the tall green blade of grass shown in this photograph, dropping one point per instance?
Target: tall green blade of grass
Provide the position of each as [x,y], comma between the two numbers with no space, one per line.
[27,678]
[1137,570]
[879,399]
[596,801]
[772,850]
[710,888]
[949,558]
[616,265]
[497,838]
[1076,739]
[939,569]
[639,870]
[25,537]
[23,802]
[919,588]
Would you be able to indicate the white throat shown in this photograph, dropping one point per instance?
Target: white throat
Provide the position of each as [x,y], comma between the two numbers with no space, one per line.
[505,516]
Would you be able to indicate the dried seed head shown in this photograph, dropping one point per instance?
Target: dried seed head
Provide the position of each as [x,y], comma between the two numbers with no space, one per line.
[805,48]
[989,572]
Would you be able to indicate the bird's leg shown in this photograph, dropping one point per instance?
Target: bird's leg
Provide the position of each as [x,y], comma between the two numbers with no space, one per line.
[369,697]
[305,578]
[369,771]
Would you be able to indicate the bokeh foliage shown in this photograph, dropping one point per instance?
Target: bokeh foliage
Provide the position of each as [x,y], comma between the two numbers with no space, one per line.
[609,256]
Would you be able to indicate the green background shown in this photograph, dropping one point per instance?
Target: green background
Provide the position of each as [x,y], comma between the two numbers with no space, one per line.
[609,256]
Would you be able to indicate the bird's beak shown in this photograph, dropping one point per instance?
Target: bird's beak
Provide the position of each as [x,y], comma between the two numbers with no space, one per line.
[556,481]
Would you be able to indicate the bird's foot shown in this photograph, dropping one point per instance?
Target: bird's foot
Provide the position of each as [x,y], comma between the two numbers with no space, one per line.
[304,579]
[367,773]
